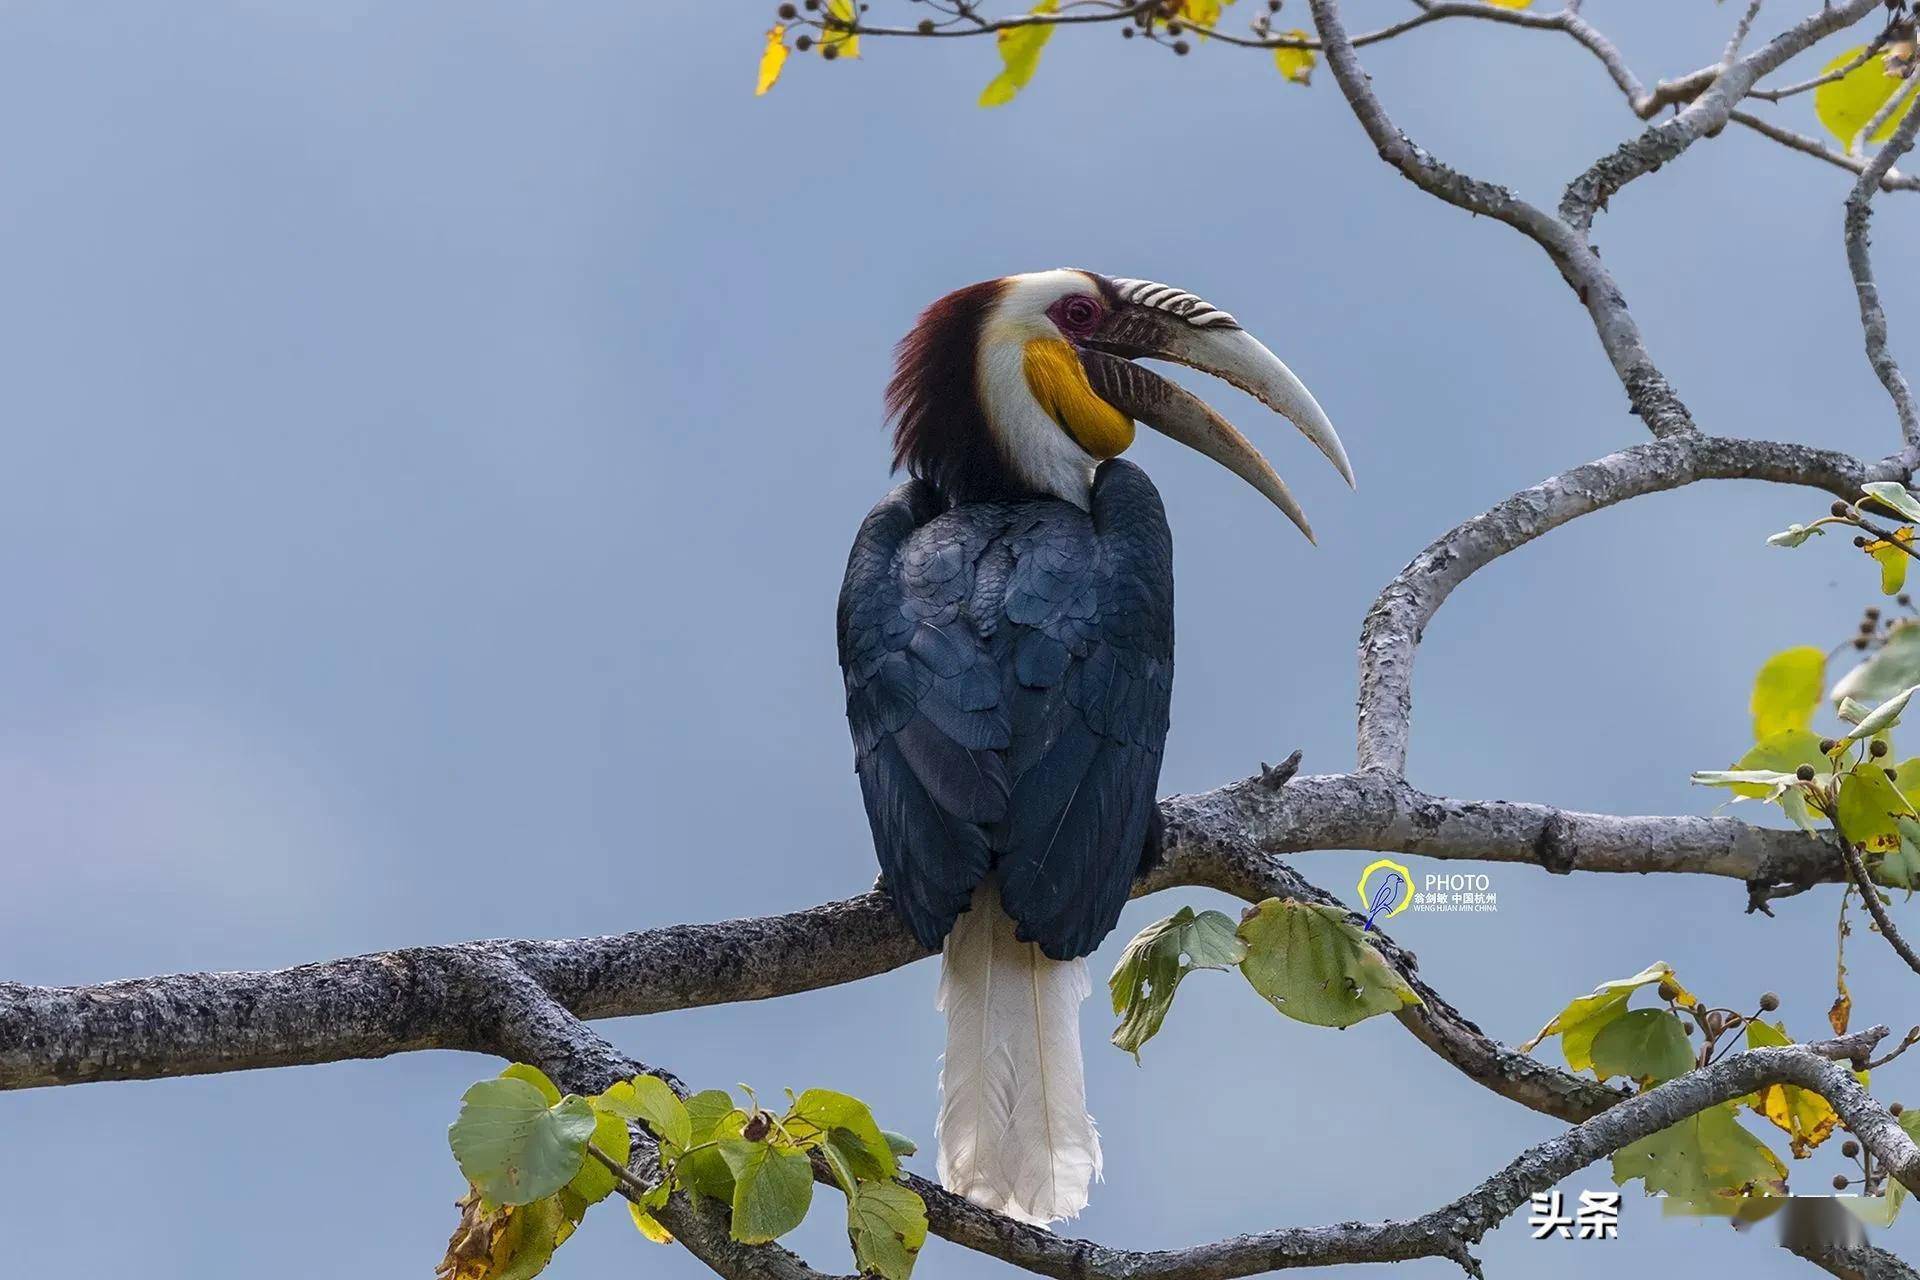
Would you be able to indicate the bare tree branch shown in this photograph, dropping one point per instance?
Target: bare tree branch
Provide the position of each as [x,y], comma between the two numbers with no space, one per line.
[1892,181]
[1647,388]
[1873,319]
[1394,625]
[1705,114]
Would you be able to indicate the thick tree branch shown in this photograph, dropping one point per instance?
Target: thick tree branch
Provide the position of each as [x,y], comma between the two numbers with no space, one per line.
[1447,1232]
[1394,625]
[1855,1262]
[1226,839]
[519,1020]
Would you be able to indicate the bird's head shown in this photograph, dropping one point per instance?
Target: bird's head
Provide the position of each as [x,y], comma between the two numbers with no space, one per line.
[1025,384]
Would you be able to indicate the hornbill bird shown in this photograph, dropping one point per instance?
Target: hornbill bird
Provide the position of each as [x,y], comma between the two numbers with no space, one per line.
[1006,634]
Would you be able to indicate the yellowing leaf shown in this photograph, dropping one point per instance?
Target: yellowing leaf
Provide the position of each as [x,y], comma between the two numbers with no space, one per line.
[1705,1158]
[508,1242]
[1019,55]
[1201,14]
[835,33]
[1803,1115]
[643,1219]
[1869,808]
[1892,559]
[1787,690]
[1295,64]
[772,58]
[1509,4]
[1582,1020]
[1847,105]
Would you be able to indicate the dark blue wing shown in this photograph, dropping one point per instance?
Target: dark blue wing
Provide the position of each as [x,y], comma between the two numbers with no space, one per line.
[924,705]
[1092,676]
[1008,669]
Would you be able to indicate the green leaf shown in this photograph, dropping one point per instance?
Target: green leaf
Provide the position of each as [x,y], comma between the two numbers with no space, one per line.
[1787,690]
[1891,668]
[899,1143]
[1705,1158]
[1877,1211]
[1894,497]
[513,1146]
[888,1224]
[1648,1046]
[1295,64]
[1312,964]
[1155,961]
[1881,718]
[705,1172]
[1583,1019]
[1777,753]
[846,1125]
[1869,807]
[703,1169]
[1901,868]
[649,1100]
[1019,56]
[595,1182]
[708,1112]
[1803,1115]
[1847,105]
[772,1187]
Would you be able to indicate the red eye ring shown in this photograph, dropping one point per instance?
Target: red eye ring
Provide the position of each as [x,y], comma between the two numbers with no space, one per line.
[1079,313]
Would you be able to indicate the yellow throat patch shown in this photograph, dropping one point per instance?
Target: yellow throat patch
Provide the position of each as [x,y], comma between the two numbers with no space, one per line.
[1059,383]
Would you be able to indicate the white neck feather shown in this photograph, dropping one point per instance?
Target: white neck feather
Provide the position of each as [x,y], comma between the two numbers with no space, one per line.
[1039,450]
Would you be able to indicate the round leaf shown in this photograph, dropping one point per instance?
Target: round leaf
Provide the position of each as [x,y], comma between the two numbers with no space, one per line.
[1311,963]
[1848,104]
[888,1224]
[649,1100]
[1645,1045]
[513,1146]
[772,1187]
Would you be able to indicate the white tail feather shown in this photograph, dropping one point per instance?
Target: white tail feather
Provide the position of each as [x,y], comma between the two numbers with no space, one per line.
[1014,1130]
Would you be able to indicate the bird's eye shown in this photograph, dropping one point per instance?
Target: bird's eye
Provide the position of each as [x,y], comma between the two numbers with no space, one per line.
[1077,314]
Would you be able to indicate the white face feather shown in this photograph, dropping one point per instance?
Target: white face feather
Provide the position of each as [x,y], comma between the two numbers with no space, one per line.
[1042,454]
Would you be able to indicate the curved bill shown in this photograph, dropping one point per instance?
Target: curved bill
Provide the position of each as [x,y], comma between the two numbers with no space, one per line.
[1177,413]
[1225,350]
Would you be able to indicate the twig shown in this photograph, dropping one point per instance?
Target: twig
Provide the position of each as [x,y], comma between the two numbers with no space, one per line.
[1871,897]
[1873,318]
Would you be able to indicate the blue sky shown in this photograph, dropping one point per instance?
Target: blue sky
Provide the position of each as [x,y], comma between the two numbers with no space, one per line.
[434,432]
